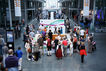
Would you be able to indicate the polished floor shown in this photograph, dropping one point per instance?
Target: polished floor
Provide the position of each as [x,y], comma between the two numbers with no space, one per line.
[93,62]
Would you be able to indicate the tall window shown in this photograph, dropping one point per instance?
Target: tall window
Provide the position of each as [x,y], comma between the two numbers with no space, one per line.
[51,4]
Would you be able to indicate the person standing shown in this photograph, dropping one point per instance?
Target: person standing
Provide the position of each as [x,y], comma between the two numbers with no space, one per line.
[25,38]
[67,25]
[44,35]
[28,49]
[55,30]
[61,30]
[40,43]
[19,30]
[77,32]
[11,62]
[16,33]
[59,51]
[49,46]
[79,43]
[27,30]
[82,31]
[23,22]
[36,53]
[90,44]
[56,43]
[31,34]
[82,51]
[5,53]
[50,34]
[1,44]
[65,43]
[71,46]
[19,55]
[75,43]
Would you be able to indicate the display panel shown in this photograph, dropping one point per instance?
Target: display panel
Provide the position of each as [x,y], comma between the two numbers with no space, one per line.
[10,37]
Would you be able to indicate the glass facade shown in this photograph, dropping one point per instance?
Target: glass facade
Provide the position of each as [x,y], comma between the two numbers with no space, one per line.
[74,8]
[101,6]
[29,10]
[3,6]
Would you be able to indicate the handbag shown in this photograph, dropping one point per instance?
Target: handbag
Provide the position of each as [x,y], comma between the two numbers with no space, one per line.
[29,50]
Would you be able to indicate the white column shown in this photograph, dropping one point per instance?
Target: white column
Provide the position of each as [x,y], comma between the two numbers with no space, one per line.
[52,15]
[9,4]
[92,24]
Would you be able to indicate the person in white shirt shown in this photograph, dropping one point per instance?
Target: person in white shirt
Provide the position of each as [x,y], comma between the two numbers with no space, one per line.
[79,27]
[41,27]
[71,46]
[27,46]
[32,34]
[82,32]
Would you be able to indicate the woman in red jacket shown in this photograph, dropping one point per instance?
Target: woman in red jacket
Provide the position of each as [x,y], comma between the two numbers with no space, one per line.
[82,51]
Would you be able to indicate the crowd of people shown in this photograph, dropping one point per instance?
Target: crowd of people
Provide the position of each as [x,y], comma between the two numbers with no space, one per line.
[10,60]
[42,42]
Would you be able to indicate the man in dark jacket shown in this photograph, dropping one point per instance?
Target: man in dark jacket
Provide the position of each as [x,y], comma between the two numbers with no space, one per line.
[1,43]
[11,62]
[50,34]
[40,43]
[56,43]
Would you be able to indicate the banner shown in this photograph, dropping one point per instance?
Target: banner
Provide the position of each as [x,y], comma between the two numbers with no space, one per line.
[52,22]
[17,4]
[86,8]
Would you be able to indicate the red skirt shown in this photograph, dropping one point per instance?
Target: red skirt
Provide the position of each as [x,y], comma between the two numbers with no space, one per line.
[59,53]
[83,52]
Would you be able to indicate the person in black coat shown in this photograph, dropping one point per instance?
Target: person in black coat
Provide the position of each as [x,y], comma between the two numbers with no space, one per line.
[50,34]
[56,43]
[25,38]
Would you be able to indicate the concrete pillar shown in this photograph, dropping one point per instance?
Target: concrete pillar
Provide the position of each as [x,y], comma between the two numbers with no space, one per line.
[34,9]
[32,14]
[25,6]
[78,11]
[92,24]
[9,4]
[52,15]
[69,9]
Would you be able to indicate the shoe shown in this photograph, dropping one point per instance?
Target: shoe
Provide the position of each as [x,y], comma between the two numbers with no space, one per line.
[20,70]
[29,59]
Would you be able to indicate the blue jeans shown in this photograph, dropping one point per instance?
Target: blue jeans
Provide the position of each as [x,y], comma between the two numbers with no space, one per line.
[13,69]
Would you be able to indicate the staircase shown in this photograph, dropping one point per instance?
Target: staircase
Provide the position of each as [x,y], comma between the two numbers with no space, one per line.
[72,22]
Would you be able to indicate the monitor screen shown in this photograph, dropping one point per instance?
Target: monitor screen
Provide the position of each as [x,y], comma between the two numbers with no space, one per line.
[10,37]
